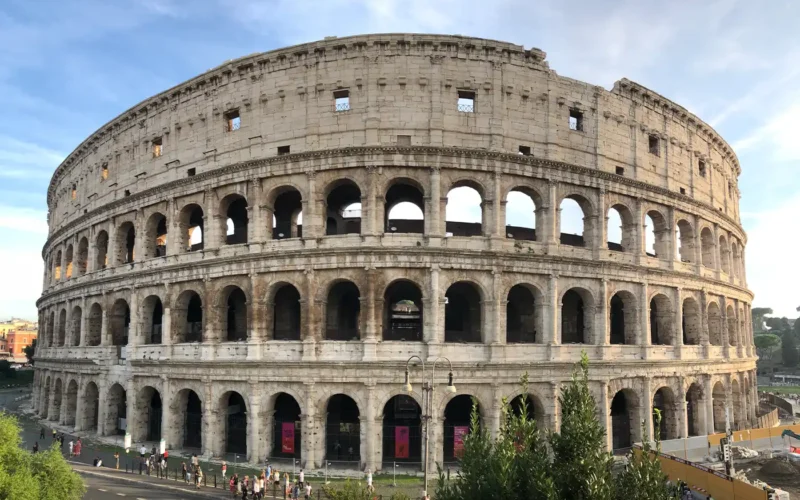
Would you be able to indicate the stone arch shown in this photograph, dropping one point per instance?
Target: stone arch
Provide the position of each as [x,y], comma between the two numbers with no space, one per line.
[62,328]
[470,218]
[457,414]
[463,315]
[51,330]
[692,327]
[155,236]
[624,419]
[724,254]
[191,223]
[57,268]
[68,257]
[82,258]
[187,420]
[342,429]
[402,194]
[665,401]
[733,331]
[94,325]
[534,407]
[152,320]
[619,213]
[146,424]
[45,407]
[233,407]
[695,412]
[343,311]
[522,204]
[622,318]
[659,234]
[402,311]
[58,395]
[234,221]
[524,305]
[684,241]
[736,252]
[188,317]
[737,414]
[342,207]
[76,318]
[233,304]
[661,320]
[714,323]
[583,232]
[708,248]
[101,250]
[116,410]
[719,404]
[576,316]
[91,407]
[402,435]
[119,322]
[126,243]
[286,202]
[287,430]
[286,311]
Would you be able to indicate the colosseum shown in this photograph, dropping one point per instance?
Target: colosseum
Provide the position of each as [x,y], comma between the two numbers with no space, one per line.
[245,263]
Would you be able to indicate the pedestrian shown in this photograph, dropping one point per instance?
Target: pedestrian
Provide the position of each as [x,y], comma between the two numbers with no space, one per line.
[36,446]
[78,446]
[224,469]
[232,485]
[308,491]
[199,478]
[195,461]
[287,488]
[41,433]
[276,476]
[256,488]
[245,486]
[55,434]
[302,477]
[153,451]
[370,488]
[269,470]
[185,472]
[296,491]
[142,452]
[71,447]
[166,453]
[116,460]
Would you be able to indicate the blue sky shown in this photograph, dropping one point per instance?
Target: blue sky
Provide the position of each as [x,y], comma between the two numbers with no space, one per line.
[68,66]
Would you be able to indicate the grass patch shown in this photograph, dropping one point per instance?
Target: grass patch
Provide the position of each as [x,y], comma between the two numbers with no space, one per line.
[783,389]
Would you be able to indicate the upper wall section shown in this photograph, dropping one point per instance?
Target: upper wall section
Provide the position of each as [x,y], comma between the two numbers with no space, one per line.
[402,89]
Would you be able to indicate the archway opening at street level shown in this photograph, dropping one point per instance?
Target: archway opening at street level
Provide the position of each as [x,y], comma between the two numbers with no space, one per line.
[719,400]
[190,419]
[116,411]
[462,313]
[91,407]
[150,410]
[402,436]
[664,402]
[72,402]
[402,311]
[55,412]
[342,430]
[287,428]
[624,410]
[235,423]
[694,410]
[457,425]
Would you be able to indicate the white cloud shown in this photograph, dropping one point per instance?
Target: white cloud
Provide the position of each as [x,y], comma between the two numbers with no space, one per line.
[22,270]
[22,219]
[778,135]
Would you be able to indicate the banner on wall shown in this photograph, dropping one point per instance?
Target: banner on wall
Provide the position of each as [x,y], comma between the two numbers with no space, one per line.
[287,437]
[401,441]
[459,433]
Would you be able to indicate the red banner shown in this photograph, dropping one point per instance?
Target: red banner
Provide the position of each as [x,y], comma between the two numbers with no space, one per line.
[287,437]
[459,433]
[401,442]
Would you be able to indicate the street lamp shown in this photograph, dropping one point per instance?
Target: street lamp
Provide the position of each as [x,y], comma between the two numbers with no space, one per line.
[428,389]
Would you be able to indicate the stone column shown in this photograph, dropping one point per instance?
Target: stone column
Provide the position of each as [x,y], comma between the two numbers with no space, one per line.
[723,315]
[210,432]
[369,206]
[709,404]
[705,339]
[372,442]
[311,217]
[602,334]
[133,418]
[495,411]
[212,222]
[497,334]
[698,247]
[644,318]
[166,414]
[102,408]
[79,406]
[135,327]
[433,214]
[554,417]
[310,429]
[550,209]
[166,320]
[269,431]
[677,340]
[432,333]
[104,333]
[604,412]
[647,408]
[255,426]
[436,443]
[551,313]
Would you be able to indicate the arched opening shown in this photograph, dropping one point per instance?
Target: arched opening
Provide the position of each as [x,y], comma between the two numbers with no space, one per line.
[685,241]
[153,319]
[191,227]
[62,328]
[719,402]
[736,413]
[58,393]
[156,236]
[462,313]
[190,419]
[343,312]
[574,221]
[404,209]
[464,210]
[707,246]
[521,206]
[534,410]
[57,269]
[286,317]
[656,235]
[736,266]
[235,409]
[620,229]
[457,416]
[402,311]
[72,402]
[51,330]
[188,314]
[68,263]
[664,401]
[574,329]
[126,241]
[724,255]
[342,430]
[235,322]
[288,209]
[101,244]
[44,409]
[287,428]
[343,208]
[733,335]
[714,324]
[624,418]
[661,320]
[149,410]
[82,260]
[694,410]
[522,314]
[91,407]
[120,321]
[622,318]
[234,207]
[402,437]
[116,411]
[692,326]
[75,331]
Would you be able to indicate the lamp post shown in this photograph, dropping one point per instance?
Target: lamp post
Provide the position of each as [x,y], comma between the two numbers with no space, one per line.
[428,389]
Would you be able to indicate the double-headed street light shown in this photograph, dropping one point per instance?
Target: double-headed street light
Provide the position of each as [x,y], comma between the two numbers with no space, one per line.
[428,388]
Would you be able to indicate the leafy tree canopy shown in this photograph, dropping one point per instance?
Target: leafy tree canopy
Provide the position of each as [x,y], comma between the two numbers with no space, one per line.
[789,351]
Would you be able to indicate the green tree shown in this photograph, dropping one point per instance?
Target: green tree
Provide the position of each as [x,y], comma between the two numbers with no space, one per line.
[583,466]
[757,314]
[779,325]
[29,351]
[789,351]
[643,473]
[351,490]
[5,368]
[766,345]
[27,476]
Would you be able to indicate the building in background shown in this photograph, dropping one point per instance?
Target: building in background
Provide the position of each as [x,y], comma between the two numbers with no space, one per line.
[15,335]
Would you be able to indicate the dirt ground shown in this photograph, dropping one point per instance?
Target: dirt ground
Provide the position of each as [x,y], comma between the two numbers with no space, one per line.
[776,472]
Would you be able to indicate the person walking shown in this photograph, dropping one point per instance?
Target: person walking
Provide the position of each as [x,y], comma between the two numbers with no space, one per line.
[71,447]
[41,434]
[185,472]
[232,485]
[78,446]
[142,452]
[36,446]
[256,488]
[308,491]
[302,477]
[116,460]
[245,486]
[199,478]
[224,470]
[195,461]
[55,434]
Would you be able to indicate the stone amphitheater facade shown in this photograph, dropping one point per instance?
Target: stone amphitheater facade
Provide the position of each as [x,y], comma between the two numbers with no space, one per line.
[186,300]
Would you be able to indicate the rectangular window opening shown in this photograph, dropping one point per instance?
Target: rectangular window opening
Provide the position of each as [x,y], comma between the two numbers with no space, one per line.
[342,100]
[104,171]
[157,147]
[190,172]
[233,120]
[466,101]
[74,191]
[403,140]
[283,150]
[654,145]
[575,120]
[701,167]
[127,192]
[683,190]
[620,171]
[525,150]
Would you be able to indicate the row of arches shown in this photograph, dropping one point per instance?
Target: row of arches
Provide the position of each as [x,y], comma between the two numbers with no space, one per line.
[402,317]
[404,211]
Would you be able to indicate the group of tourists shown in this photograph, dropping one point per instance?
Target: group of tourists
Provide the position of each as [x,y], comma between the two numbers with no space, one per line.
[154,462]
[74,446]
[256,487]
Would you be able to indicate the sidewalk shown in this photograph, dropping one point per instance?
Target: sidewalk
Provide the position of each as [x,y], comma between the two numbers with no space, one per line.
[121,475]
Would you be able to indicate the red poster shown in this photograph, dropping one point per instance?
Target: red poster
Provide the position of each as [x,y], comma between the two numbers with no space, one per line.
[287,437]
[459,433]
[401,442]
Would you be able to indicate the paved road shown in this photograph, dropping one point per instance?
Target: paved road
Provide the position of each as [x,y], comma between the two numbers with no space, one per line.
[98,488]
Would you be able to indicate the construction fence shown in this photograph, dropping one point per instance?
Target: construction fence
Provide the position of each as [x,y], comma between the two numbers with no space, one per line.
[709,482]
